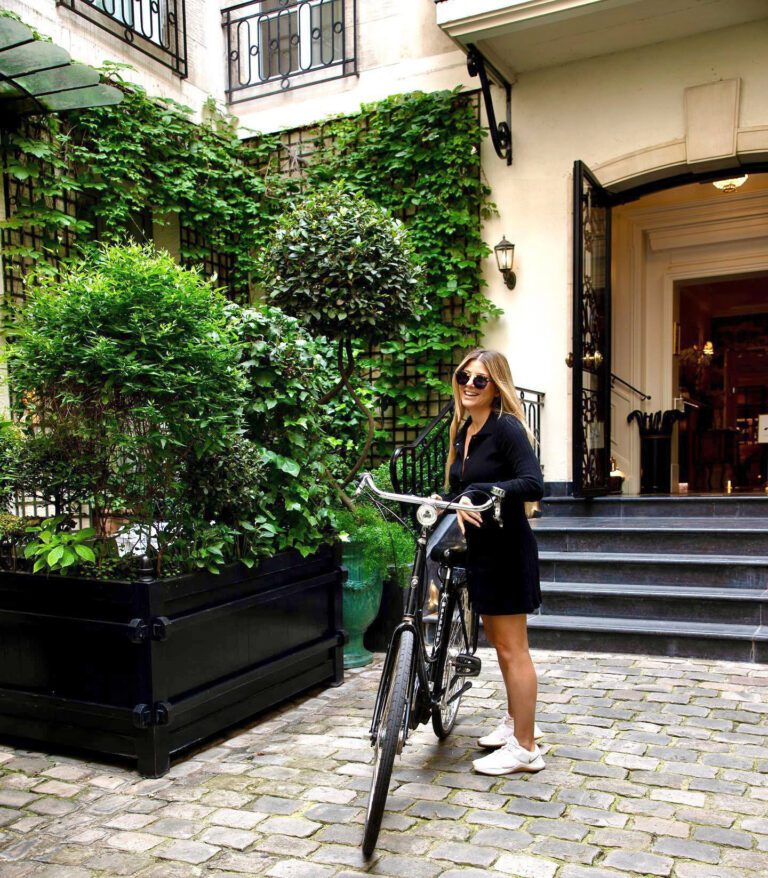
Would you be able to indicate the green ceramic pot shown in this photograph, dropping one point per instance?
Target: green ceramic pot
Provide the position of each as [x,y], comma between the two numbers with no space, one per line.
[361,600]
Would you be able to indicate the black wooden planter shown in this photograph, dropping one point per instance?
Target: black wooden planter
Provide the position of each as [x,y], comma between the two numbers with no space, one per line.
[144,669]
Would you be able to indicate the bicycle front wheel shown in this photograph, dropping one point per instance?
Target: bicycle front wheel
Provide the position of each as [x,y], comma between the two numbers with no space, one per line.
[389,741]
[454,642]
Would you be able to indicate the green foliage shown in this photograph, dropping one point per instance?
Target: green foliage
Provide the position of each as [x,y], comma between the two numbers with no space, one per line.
[127,367]
[57,550]
[342,265]
[415,155]
[12,527]
[372,543]
[10,444]
[146,154]
[285,374]
[148,395]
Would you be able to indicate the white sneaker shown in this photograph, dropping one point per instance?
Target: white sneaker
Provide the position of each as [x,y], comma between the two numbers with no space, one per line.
[509,758]
[503,732]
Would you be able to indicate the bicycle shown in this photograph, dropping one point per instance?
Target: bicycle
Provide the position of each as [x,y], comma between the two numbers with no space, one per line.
[424,673]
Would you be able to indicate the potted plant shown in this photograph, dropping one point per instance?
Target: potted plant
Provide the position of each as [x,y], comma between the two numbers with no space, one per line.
[143,395]
[374,548]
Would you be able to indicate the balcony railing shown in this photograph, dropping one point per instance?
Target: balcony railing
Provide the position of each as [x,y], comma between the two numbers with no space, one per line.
[278,45]
[155,27]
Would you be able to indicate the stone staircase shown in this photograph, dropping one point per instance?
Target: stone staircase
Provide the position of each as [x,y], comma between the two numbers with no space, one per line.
[678,576]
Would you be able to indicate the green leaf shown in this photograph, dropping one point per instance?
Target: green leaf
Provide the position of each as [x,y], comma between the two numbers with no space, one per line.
[55,555]
[86,553]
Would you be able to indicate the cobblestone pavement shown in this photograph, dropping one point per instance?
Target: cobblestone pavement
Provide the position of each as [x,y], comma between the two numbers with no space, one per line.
[655,766]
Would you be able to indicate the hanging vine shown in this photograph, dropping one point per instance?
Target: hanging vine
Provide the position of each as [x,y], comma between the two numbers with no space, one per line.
[96,175]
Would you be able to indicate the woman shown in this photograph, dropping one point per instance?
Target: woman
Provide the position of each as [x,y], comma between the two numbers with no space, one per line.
[491,445]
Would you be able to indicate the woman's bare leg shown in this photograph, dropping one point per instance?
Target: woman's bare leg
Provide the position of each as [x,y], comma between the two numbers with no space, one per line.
[509,637]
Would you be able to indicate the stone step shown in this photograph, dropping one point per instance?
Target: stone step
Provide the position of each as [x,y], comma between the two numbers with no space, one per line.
[747,643]
[714,571]
[720,605]
[667,506]
[711,536]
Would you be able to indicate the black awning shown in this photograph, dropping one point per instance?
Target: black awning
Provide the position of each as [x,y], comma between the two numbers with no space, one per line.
[39,77]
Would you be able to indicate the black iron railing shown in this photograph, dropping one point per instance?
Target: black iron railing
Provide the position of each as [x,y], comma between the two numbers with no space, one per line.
[419,467]
[279,45]
[155,27]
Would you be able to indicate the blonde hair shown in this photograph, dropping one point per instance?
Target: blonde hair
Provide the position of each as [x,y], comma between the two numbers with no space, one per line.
[507,401]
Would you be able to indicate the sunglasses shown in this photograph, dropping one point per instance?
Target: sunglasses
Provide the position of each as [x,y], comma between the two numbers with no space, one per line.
[478,381]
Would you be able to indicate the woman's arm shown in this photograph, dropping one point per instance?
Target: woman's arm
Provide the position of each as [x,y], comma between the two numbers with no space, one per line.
[528,483]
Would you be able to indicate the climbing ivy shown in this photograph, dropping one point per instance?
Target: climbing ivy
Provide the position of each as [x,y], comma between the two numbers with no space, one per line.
[93,174]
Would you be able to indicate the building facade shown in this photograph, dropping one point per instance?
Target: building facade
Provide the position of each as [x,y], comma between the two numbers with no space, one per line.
[628,260]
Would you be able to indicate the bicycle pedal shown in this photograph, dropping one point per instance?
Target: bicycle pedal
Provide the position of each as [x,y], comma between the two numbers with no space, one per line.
[459,692]
[466,665]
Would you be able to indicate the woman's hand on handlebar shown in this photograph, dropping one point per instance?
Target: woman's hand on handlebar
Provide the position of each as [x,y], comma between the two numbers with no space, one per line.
[468,517]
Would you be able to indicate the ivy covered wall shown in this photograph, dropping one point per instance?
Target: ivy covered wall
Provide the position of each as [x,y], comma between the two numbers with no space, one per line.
[108,173]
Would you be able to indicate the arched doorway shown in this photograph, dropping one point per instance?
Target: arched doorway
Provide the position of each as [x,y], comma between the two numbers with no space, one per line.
[690,330]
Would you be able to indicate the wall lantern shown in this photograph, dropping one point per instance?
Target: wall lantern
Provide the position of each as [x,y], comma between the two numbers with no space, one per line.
[505,254]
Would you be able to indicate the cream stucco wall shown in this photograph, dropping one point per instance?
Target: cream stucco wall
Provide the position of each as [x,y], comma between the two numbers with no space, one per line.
[595,110]
[399,48]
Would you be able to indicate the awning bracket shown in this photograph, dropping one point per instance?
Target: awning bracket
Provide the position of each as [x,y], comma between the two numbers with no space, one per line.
[501,133]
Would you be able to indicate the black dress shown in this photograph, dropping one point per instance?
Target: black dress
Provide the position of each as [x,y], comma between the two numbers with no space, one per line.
[502,562]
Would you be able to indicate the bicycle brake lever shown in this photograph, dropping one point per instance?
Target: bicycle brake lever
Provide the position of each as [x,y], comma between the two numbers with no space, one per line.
[360,485]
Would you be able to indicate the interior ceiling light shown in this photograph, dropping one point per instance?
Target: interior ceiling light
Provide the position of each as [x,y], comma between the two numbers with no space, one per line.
[732,184]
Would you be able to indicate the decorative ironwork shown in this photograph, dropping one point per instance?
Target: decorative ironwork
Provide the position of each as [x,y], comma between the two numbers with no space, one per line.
[278,45]
[157,28]
[501,133]
[591,327]
[640,393]
[419,466]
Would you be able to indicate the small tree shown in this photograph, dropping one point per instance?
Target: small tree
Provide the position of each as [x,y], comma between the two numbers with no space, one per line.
[346,268]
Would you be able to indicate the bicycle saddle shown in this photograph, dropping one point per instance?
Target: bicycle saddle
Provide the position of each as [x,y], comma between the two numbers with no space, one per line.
[447,545]
[450,552]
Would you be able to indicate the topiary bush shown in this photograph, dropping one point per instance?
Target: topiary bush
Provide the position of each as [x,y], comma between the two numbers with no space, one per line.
[344,266]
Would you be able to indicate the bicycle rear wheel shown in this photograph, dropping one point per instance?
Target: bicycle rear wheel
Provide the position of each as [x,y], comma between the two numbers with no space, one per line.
[389,740]
[454,642]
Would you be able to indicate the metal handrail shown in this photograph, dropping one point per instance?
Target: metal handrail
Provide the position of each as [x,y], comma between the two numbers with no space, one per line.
[418,467]
[642,393]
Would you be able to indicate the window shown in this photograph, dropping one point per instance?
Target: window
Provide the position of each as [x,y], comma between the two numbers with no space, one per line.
[300,37]
[155,27]
[276,45]
[149,18]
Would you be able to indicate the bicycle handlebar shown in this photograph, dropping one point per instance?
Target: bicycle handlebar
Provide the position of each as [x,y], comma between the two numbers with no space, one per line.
[366,481]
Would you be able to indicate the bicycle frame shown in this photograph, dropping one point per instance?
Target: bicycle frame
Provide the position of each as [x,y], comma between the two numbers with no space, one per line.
[413,615]
[413,621]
